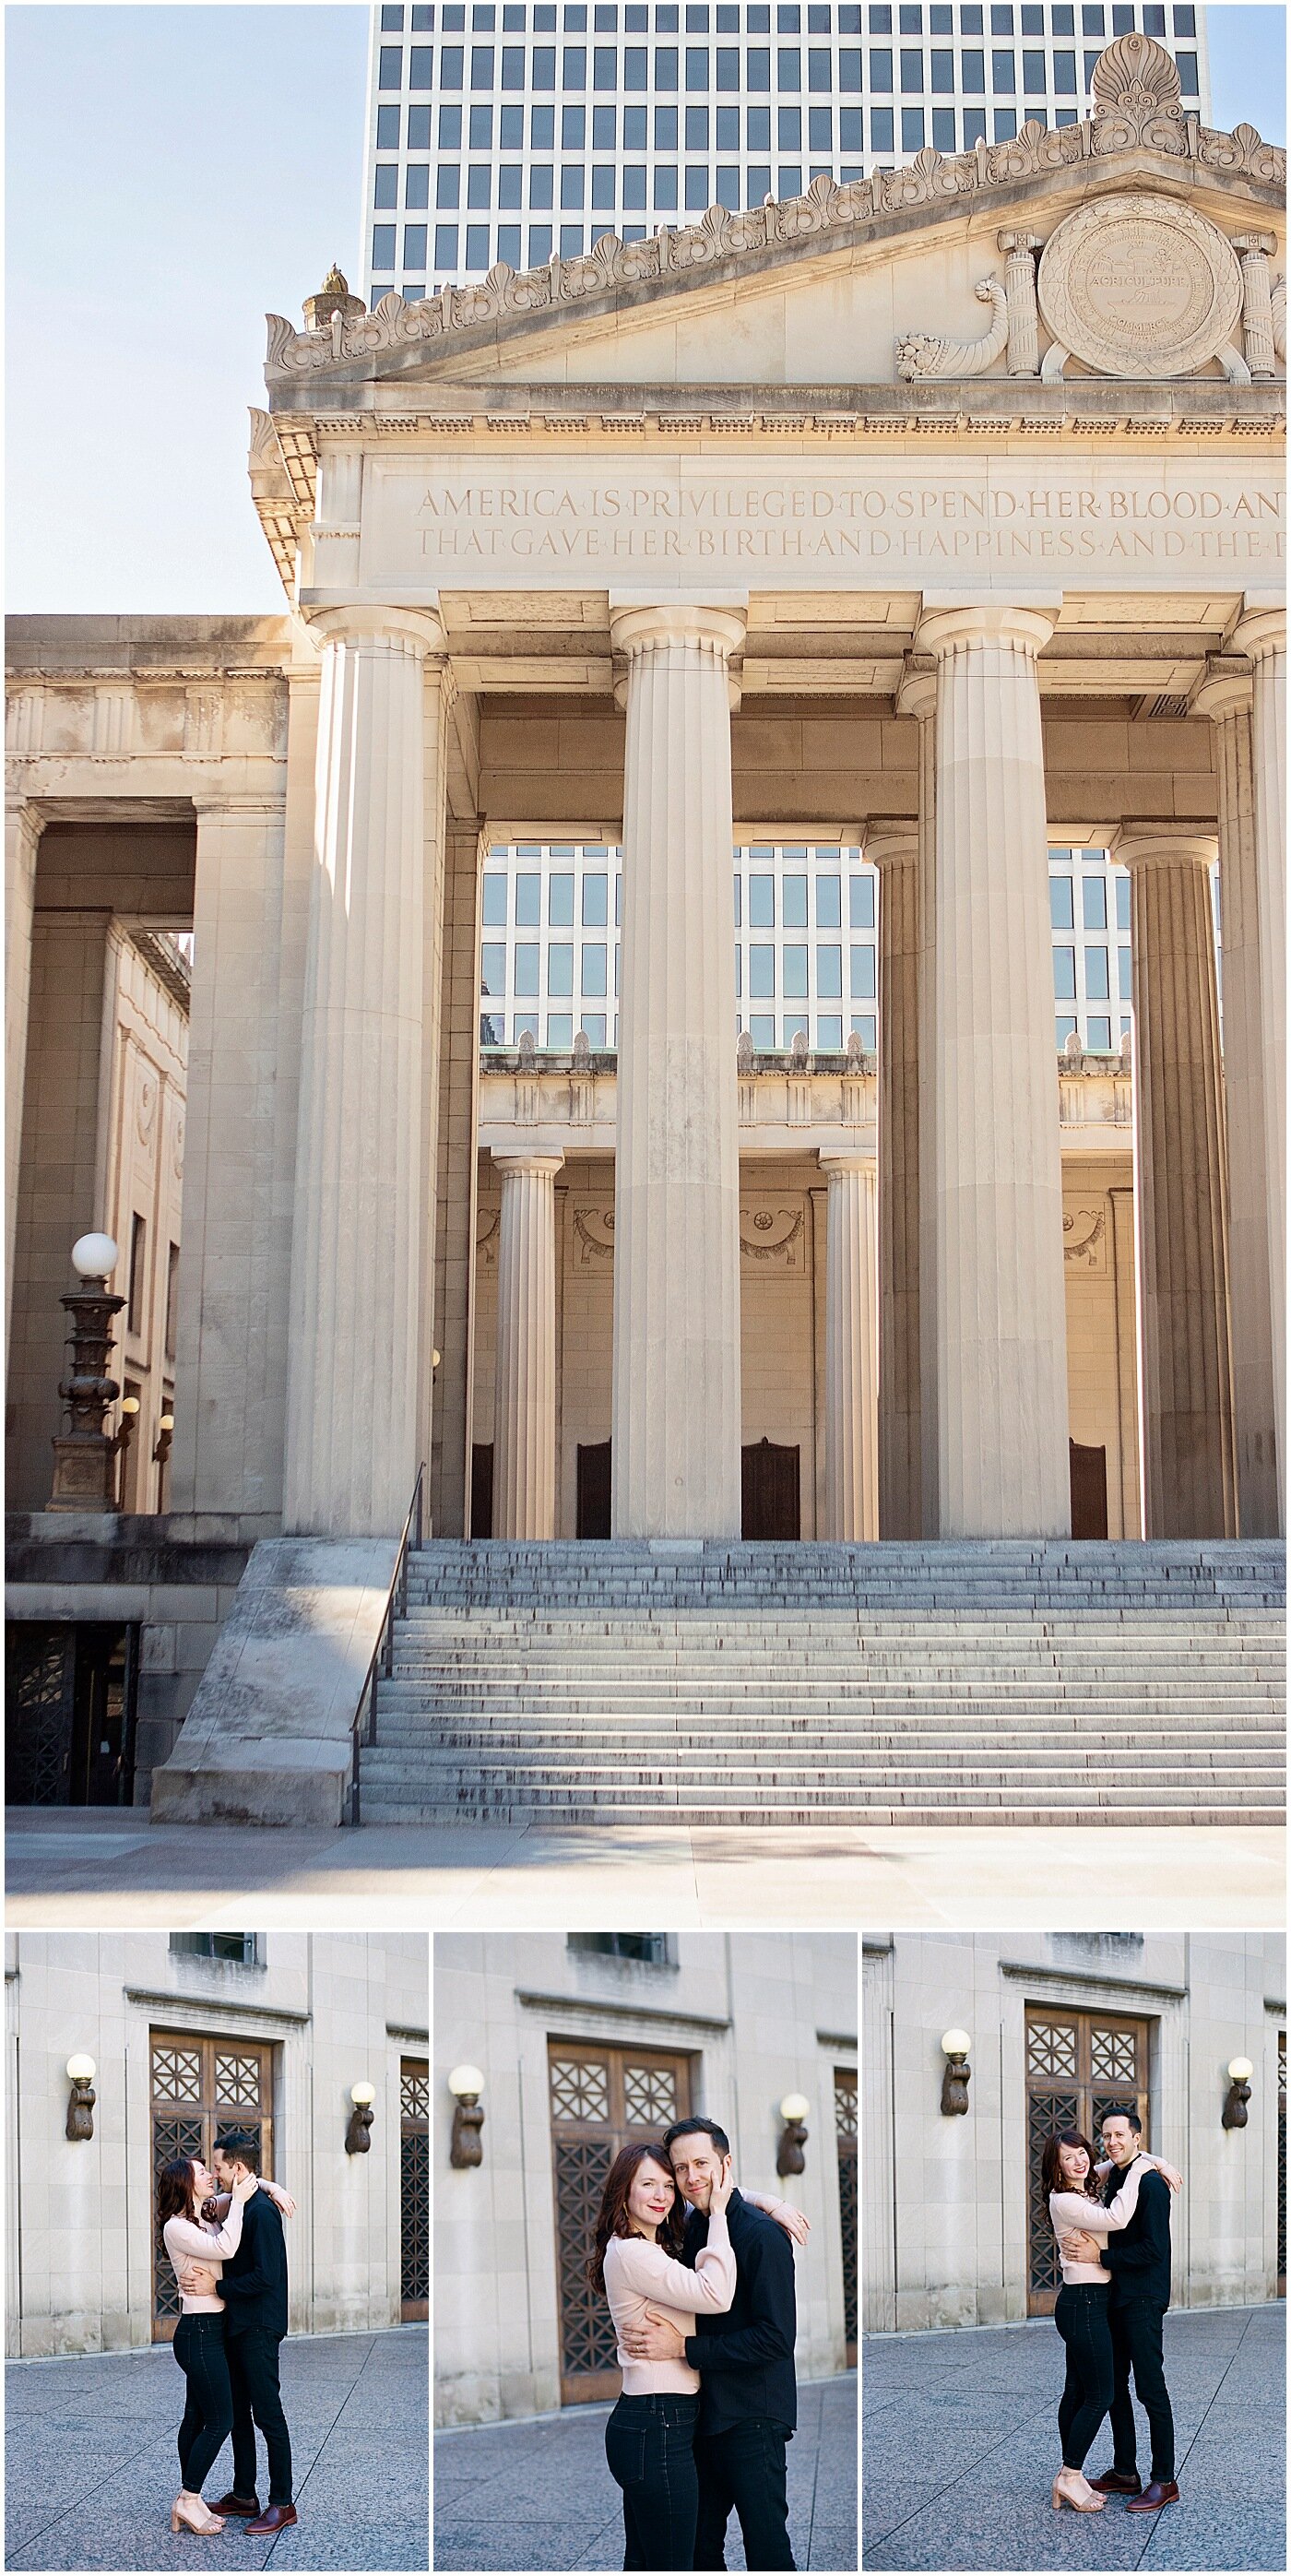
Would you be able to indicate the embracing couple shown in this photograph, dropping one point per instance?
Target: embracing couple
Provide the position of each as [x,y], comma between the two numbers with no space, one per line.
[223,2232]
[699,2280]
[1112,2223]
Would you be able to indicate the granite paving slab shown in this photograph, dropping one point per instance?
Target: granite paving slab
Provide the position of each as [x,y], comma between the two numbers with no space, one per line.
[91,2472]
[539,2495]
[952,2483]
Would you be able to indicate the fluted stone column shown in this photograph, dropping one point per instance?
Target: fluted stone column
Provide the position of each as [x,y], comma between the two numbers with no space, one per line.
[1261,632]
[894,851]
[917,696]
[524,1416]
[998,1315]
[362,1163]
[1225,696]
[851,1347]
[23,828]
[676,1402]
[1189,1478]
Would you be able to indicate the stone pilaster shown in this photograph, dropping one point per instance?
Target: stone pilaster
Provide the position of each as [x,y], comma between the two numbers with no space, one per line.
[457,1165]
[998,1318]
[1225,696]
[353,1399]
[851,1348]
[1020,294]
[524,1415]
[1189,1475]
[1255,251]
[895,853]
[676,1402]
[234,1253]
[1261,632]
[23,828]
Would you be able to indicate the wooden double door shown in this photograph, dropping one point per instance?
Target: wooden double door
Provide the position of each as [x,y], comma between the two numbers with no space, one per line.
[601,2098]
[1079,2067]
[200,2085]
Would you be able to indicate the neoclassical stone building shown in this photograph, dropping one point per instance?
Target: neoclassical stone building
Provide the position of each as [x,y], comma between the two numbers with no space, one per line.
[748,530]
[1062,2028]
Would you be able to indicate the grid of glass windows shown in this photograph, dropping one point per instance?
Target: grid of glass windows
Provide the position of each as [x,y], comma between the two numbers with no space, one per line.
[805,925]
[595,119]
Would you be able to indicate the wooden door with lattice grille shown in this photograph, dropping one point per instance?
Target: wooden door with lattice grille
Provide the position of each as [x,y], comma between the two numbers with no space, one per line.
[199,2086]
[845,2125]
[414,2189]
[1080,2066]
[1282,2164]
[602,2099]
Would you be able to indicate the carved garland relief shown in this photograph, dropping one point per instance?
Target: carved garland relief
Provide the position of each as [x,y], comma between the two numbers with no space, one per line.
[770,1233]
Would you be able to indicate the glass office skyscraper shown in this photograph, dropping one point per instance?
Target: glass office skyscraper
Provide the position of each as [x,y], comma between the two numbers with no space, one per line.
[511,129]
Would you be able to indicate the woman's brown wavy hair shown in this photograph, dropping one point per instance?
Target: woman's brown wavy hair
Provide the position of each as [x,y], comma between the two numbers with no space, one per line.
[1051,2173]
[613,2219]
[175,2190]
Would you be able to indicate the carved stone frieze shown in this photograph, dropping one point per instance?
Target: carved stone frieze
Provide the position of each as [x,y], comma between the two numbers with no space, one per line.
[1139,285]
[1084,1239]
[773,1234]
[486,1239]
[1136,103]
[593,1236]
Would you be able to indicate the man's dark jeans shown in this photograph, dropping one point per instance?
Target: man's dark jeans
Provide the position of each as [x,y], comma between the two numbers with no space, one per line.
[743,2470]
[1136,2345]
[650,2446]
[1081,2319]
[253,2379]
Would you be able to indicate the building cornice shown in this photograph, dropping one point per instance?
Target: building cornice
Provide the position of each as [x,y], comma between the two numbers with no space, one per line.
[1078,1981]
[591,2010]
[220,2010]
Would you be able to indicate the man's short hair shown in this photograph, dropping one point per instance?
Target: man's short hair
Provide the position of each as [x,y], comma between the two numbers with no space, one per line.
[1123,2111]
[697,2128]
[241,2146]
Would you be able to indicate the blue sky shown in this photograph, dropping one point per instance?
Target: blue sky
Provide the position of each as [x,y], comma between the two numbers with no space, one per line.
[174,173]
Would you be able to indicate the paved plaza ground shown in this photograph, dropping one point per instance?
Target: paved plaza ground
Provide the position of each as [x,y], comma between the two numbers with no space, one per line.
[91,2471]
[65,1866]
[961,2450]
[539,2495]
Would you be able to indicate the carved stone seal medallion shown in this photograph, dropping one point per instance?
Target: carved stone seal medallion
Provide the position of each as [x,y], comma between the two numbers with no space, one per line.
[1139,286]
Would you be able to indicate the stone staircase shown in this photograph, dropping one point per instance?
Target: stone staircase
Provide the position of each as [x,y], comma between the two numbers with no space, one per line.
[1001,1682]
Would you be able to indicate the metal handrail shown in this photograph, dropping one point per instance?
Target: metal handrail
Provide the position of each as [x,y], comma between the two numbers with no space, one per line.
[364,1726]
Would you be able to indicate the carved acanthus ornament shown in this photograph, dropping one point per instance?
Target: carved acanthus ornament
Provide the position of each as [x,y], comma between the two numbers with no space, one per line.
[921,353]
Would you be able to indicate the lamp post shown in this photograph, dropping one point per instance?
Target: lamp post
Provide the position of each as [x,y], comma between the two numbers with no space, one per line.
[85,1462]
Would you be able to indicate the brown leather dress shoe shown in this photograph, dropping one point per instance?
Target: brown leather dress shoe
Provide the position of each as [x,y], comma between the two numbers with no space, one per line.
[275,2517]
[1112,2482]
[248,2505]
[1162,2491]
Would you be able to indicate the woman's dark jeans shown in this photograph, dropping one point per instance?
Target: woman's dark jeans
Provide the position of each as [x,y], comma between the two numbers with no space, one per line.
[1081,2319]
[650,2446]
[208,2415]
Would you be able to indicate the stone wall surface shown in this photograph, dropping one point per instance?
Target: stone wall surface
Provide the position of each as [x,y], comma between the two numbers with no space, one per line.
[335,2009]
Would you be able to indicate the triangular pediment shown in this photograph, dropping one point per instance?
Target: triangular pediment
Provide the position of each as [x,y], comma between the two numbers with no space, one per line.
[900,276]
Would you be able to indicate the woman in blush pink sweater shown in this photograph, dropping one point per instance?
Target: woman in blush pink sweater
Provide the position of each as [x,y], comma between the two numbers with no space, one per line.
[650,2437]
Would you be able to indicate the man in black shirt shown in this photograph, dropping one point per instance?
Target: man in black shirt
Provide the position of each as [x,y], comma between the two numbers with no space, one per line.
[254,2290]
[748,2401]
[1138,2259]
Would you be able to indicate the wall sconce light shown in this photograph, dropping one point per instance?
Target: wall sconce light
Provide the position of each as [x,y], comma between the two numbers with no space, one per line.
[358,2136]
[1240,2071]
[85,1455]
[467,2084]
[435,1362]
[789,2156]
[954,2083]
[80,2103]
